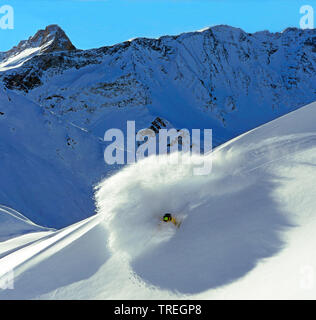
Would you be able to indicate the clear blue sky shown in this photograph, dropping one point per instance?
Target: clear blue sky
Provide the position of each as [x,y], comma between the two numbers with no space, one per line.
[95,23]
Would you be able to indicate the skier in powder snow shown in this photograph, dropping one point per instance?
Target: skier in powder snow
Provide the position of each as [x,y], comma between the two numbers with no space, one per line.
[169,218]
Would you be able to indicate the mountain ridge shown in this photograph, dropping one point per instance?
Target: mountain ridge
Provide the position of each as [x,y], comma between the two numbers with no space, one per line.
[52,38]
[221,78]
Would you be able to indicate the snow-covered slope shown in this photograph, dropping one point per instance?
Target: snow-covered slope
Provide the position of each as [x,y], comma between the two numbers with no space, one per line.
[48,167]
[222,77]
[58,101]
[51,39]
[247,230]
[13,224]
[17,231]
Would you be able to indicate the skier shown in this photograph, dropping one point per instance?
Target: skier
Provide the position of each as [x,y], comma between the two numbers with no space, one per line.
[169,218]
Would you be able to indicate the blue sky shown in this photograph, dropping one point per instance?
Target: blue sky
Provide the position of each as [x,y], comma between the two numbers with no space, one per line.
[95,23]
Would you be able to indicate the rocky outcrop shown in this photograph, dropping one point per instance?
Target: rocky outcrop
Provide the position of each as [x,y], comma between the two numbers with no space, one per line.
[51,39]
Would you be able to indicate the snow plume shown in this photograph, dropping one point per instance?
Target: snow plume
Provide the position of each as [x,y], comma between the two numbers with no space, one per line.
[215,209]
[134,200]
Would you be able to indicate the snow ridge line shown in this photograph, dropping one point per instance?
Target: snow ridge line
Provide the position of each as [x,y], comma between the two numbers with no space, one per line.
[18,260]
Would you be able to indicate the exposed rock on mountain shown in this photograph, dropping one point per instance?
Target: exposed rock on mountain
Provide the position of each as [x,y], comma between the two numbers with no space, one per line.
[221,78]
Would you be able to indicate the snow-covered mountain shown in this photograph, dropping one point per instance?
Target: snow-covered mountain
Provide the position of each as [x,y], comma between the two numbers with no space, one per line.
[248,225]
[248,229]
[221,77]
[47,167]
[57,101]
[53,38]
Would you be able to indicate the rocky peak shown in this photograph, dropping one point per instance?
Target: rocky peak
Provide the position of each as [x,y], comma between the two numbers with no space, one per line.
[51,39]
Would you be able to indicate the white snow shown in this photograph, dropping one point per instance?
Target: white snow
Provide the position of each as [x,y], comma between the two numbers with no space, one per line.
[247,230]
[203,29]
[48,166]
[220,77]
[12,224]
[17,60]
[17,230]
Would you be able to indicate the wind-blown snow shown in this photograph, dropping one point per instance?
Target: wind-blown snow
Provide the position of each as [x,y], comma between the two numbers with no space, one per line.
[216,209]
[247,231]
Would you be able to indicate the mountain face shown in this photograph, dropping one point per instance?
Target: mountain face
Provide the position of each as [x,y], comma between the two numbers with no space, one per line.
[47,166]
[56,102]
[51,39]
[220,78]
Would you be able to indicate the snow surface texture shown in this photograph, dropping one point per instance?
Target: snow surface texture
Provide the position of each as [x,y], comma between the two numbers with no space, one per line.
[13,224]
[48,167]
[247,231]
